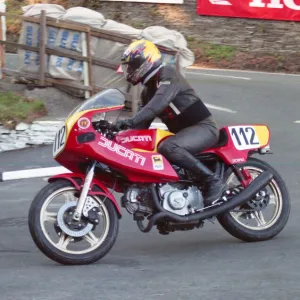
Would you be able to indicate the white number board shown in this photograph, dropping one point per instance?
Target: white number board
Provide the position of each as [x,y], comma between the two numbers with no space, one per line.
[59,141]
[244,137]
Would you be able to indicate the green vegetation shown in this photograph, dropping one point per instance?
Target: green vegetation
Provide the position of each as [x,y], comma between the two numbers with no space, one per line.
[218,51]
[210,51]
[15,108]
[137,24]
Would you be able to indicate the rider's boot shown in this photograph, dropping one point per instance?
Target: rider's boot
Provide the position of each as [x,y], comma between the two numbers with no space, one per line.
[215,186]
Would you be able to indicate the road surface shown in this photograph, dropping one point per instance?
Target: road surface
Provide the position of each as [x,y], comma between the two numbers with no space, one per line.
[202,264]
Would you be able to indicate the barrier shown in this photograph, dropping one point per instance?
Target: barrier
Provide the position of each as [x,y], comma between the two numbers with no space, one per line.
[42,68]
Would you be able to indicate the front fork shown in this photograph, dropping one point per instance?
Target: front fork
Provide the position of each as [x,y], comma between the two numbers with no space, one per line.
[85,190]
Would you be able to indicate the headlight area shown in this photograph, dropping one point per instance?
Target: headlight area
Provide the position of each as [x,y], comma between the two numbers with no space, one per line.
[86,137]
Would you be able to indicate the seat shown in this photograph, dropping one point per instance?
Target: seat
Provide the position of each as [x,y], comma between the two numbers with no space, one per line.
[223,139]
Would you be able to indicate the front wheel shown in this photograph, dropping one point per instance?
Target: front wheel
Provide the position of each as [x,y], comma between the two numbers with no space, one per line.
[61,238]
[262,217]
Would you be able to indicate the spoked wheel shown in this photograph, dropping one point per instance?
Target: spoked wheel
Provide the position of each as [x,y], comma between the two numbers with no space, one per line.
[67,241]
[262,217]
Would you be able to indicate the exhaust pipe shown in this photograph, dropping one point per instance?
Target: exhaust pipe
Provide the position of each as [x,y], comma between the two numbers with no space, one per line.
[253,188]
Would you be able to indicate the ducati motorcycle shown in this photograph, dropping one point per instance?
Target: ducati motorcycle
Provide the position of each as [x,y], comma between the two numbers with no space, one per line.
[75,218]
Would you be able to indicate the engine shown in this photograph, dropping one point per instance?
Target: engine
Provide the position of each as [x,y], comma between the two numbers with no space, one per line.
[138,199]
[179,199]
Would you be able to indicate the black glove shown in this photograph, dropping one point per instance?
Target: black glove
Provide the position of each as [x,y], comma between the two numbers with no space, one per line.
[123,124]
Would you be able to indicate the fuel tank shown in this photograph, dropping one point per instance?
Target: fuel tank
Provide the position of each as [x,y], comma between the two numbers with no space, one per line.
[146,140]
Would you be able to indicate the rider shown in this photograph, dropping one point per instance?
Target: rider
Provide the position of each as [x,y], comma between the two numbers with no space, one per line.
[167,95]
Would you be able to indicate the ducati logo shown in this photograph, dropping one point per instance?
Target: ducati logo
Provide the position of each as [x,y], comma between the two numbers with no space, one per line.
[141,138]
[220,2]
[120,150]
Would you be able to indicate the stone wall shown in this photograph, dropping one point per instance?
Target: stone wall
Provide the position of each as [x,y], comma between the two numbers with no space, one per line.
[27,135]
[244,34]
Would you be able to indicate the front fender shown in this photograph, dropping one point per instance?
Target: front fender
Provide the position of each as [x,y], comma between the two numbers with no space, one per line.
[78,179]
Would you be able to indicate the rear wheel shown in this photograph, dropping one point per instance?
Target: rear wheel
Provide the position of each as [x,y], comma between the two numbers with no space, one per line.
[64,240]
[262,217]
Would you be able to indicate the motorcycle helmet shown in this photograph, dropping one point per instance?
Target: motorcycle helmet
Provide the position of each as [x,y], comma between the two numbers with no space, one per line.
[140,60]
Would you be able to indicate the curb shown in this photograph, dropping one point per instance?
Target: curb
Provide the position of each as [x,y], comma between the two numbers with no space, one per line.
[28,135]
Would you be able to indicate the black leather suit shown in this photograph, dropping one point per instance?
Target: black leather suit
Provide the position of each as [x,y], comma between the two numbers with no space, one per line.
[169,97]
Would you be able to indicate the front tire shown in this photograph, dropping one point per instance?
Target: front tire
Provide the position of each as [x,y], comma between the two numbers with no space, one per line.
[265,230]
[58,252]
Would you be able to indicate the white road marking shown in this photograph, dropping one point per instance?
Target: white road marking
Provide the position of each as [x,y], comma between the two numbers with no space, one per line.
[220,108]
[218,75]
[15,200]
[33,173]
[297,121]
[242,71]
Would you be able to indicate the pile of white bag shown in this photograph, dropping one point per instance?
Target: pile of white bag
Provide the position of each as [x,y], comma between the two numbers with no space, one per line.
[70,69]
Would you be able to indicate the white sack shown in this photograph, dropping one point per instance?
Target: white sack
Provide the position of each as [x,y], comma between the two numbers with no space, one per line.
[28,60]
[85,16]
[116,27]
[108,78]
[52,10]
[170,39]
[68,68]
[112,51]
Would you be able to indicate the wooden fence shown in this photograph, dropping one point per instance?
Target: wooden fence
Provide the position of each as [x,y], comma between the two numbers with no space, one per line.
[42,80]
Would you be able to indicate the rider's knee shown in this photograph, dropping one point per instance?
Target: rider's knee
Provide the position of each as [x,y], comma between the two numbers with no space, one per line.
[166,147]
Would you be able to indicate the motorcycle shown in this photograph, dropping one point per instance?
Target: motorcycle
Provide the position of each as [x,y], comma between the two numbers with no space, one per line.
[75,218]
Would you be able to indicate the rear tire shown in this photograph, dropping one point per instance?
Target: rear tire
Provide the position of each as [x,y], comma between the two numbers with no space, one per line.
[230,224]
[47,248]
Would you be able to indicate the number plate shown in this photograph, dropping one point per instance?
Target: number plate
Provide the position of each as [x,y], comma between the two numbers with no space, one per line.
[244,137]
[59,141]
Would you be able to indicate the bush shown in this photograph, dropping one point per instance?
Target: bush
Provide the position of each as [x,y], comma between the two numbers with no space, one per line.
[15,108]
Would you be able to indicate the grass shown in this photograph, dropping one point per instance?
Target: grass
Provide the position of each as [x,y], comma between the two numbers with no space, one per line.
[211,51]
[218,51]
[15,108]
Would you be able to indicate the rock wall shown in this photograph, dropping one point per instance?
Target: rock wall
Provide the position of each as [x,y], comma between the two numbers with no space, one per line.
[244,34]
[27,135]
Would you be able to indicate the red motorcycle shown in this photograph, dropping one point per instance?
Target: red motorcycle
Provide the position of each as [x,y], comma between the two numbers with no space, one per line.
[74,219]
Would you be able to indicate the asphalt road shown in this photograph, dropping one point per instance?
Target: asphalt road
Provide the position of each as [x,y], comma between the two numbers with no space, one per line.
[202,264]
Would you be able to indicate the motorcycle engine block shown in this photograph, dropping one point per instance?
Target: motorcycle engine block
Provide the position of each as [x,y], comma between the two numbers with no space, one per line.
[179,199]
[137,199]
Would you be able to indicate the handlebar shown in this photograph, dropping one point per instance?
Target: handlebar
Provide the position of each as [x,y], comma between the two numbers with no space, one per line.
[107,128]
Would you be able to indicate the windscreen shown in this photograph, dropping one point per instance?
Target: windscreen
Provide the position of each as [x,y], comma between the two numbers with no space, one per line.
[107,98]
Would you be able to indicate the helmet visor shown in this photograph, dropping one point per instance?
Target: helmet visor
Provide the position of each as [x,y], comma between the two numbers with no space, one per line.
[127,69]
